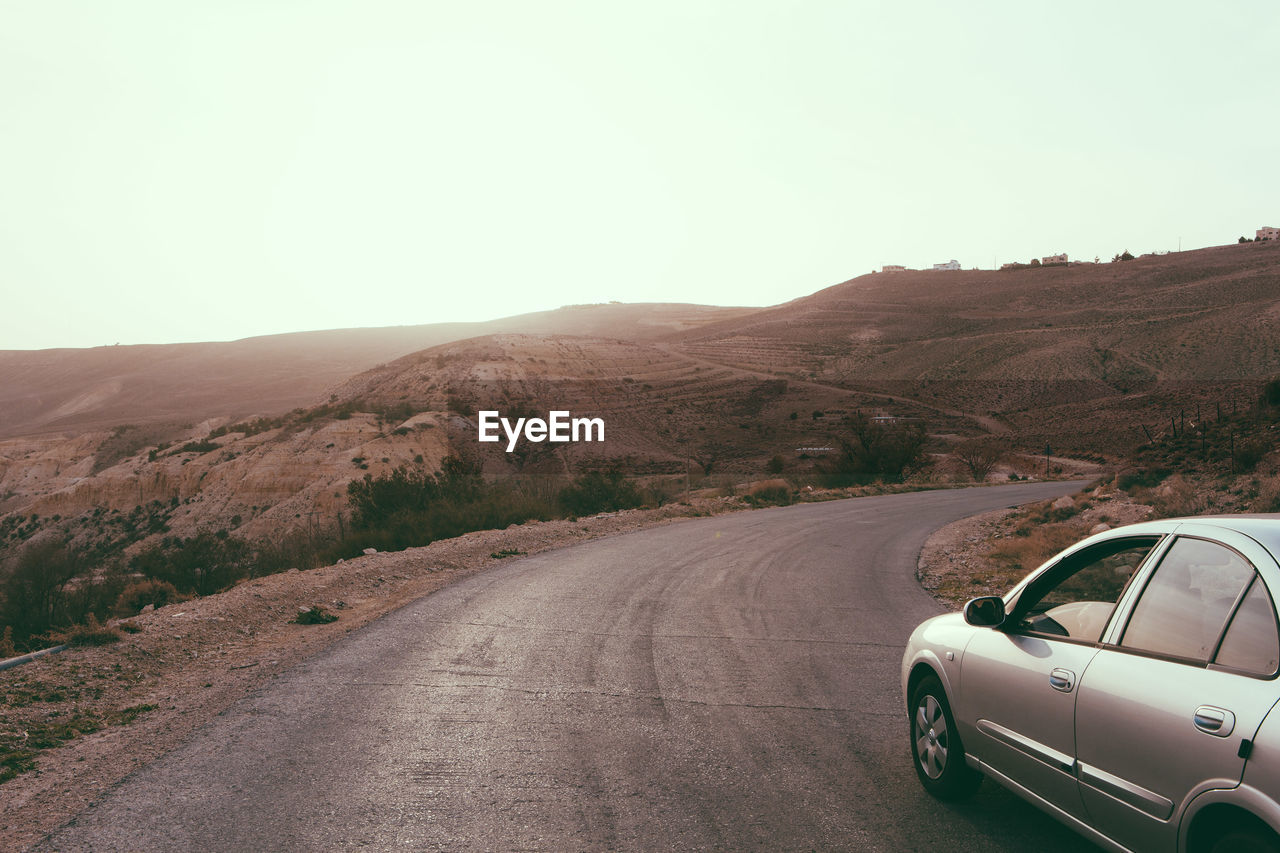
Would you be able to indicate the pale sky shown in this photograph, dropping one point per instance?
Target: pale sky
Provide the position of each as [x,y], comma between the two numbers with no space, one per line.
[177,170]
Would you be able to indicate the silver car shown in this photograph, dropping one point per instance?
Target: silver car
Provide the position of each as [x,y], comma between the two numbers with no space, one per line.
[1126,687]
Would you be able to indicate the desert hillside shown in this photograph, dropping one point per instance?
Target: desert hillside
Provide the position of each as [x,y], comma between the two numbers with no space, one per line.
[665,414]
[1057,352]
[61,391]
[261,437]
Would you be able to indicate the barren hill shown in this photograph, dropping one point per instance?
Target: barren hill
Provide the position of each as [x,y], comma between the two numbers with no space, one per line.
[1041,348]
[71,390]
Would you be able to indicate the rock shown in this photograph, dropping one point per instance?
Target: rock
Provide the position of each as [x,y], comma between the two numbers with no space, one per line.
[1064,502]
[148,608]
[1099,527]
[369,551]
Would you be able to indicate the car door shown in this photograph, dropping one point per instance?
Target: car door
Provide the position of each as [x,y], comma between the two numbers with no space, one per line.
[1169,705]
[1018,683]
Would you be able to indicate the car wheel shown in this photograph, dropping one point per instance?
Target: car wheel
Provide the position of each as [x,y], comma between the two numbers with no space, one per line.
[936,750]
[1246,841]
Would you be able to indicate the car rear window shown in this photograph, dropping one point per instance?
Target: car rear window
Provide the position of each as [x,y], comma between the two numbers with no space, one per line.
[1252,644]
[1186,603]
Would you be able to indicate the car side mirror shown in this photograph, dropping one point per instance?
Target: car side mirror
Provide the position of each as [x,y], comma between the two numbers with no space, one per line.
[985,612]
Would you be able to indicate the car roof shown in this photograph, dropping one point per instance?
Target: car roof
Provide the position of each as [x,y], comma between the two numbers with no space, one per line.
[1263,528]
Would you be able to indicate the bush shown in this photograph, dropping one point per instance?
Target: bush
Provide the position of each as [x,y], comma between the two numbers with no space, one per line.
[199,447]
[770,494]
[1249,454]
[139,594]
[599,491]
[1141,478]
[202,565]
[34,592]
[91,633]
[1271,393]
[412,488]
[316,615]
[876,451]
[411,506]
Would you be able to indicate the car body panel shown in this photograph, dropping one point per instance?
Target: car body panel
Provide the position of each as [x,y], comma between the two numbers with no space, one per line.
[1022,724]
[1124,756]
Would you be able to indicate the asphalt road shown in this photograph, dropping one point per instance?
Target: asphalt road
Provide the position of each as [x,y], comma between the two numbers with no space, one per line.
[726,683]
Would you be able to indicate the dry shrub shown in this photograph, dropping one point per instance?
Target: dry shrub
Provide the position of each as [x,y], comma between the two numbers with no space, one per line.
[770,493]
[1268,499]
[91,633]
[314,615]
[139,594]
[1018,555]
[1177,497]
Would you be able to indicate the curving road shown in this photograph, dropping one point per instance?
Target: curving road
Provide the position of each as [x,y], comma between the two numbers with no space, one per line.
[726,683]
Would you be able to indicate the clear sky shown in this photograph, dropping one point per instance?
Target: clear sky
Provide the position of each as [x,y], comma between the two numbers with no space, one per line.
[175,170]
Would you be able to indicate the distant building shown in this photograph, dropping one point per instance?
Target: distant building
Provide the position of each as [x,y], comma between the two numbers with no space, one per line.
[949,265]
[1268,233]
[893,268]
[1012,265]
[1054,259]
[814,451]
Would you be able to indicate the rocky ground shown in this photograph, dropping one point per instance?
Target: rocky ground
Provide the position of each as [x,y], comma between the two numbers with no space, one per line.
[964,559]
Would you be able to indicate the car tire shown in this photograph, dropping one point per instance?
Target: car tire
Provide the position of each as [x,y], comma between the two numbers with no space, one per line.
[936,750]
[1247,840]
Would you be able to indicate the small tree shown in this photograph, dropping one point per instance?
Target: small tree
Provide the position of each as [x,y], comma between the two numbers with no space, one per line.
[980,455]
[874,450]
[34,593]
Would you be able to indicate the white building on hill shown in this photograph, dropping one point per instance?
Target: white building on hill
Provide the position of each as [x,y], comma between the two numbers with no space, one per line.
[952,264]
[893,268]
[1054,259]
[1268,233]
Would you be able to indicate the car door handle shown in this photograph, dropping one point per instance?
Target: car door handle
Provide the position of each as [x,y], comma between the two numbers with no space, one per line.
[1062,679]
[1214,721]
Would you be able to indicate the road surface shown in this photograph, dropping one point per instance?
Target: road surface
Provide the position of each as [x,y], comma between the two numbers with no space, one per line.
[726,683]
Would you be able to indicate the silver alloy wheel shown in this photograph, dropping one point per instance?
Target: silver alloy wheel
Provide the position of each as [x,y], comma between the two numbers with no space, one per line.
[931,737]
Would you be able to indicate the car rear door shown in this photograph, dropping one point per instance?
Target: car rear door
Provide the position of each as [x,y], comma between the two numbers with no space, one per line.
[1181,684]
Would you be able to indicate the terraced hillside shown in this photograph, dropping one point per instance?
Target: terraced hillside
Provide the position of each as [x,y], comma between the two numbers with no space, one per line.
[662,409]
[1066,353]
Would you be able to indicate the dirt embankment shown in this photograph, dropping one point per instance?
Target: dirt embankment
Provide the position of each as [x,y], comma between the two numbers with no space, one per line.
[987,554]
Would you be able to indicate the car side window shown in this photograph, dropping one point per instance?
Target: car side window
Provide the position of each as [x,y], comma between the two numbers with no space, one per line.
[1076,598]
[1252,644]
[1185,605]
